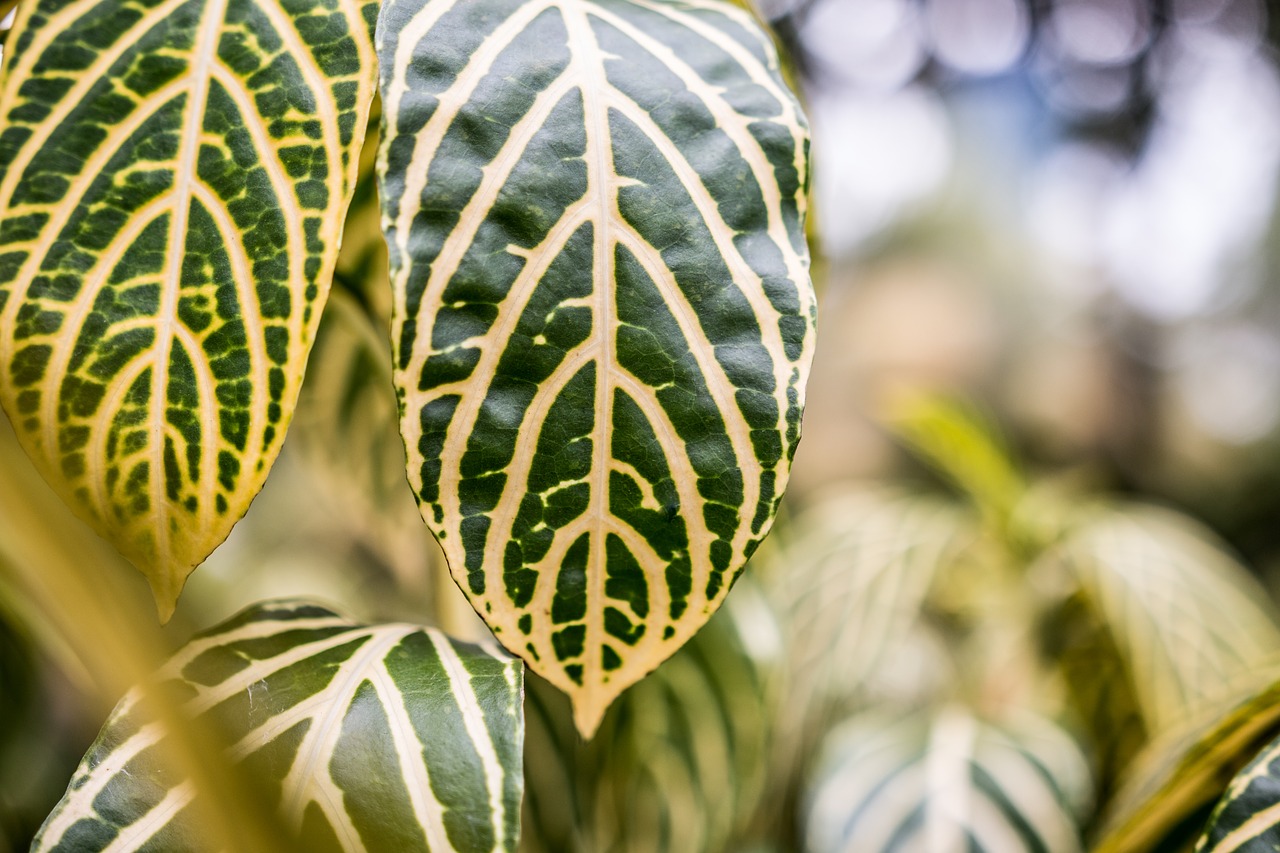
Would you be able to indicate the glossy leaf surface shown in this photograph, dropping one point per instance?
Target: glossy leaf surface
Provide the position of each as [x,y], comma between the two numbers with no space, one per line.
[366,738]
[603,318]
[173,175]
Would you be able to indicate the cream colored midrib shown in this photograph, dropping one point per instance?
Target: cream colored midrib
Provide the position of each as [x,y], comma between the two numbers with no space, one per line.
[198,79]
[319,739]
[473,721]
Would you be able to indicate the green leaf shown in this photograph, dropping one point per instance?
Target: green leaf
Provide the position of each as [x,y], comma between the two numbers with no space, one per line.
[948,782]
[1170,788]
[385,737]
[850,582]
[679,761]
[173,175]
[1247,818]
[1190,625]
[603,316]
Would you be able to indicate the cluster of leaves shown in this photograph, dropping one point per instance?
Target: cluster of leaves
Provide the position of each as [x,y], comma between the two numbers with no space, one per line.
[1026,669]
[600,321]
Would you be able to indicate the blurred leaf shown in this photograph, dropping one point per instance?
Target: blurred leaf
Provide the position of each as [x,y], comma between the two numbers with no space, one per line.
[678,762]
[387,737]
[1098,684]
[960,444]
[850,583]
[1188,622]
[947,782]
[1169,790]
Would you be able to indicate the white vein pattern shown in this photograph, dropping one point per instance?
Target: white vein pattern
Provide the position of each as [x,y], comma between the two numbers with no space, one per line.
[603,320]
[369,738]
[173,175]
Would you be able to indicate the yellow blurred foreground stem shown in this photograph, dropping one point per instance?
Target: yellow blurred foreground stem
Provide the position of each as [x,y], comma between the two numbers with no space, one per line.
[67,579]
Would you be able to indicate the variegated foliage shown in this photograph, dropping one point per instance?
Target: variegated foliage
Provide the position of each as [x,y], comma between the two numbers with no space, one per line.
[851,581]
[603,315]
[948,782]
[679,762]
[173,175]
[386,737]
[1191,627]
[1170,789]
[1247,818]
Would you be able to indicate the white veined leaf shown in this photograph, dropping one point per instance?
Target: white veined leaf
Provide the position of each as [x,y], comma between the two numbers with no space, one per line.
[173,176]
[366,738]
[603,317]
[680,759]
[1189,623]
[851,582]
[947,781]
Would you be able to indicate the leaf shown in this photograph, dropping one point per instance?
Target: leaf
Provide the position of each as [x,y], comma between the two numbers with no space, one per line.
[957,440]
[679,762]
[1188,621]
[948,782]
[384,737]
[1171,787]
[1247,818]
[603,316]
[851,584]
[173,175]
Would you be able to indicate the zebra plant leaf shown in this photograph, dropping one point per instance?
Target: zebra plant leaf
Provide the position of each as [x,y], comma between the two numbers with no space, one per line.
[1247,818]
[948,781]
[366,738]
[603,318]
[173,175]
[851,583]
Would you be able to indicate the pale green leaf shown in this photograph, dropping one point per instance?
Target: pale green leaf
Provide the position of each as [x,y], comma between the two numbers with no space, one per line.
[173,175]
[948,781]
[851,581]
[366,738]
[603,318]
[1189,623]
[1169,790]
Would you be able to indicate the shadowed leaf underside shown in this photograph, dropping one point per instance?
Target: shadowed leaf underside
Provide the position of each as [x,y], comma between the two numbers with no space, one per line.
[173,175]
[365,738]
[603,319]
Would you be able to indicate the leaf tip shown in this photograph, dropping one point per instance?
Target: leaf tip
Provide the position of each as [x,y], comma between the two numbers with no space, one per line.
[166,592]
[587,715]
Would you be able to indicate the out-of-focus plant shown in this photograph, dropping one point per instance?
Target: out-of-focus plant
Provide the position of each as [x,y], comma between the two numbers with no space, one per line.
[998,661]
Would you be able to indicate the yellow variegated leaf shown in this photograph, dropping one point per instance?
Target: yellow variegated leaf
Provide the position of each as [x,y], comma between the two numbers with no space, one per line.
[1190,625]
[603,316]
[1169,790]
[173,175]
